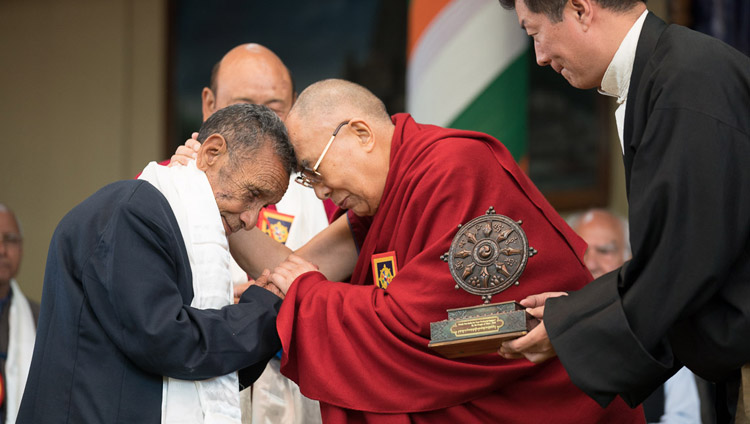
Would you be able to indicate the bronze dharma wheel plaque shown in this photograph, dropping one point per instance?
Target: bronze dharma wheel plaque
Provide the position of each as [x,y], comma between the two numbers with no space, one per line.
[488,255]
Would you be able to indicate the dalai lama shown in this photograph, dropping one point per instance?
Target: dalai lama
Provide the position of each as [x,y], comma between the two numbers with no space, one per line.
[361,347]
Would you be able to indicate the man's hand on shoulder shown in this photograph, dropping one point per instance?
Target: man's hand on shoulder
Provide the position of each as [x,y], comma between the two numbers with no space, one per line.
[186,152]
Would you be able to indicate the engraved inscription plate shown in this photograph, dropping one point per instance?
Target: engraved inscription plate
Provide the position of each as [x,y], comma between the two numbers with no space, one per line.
[477,326]
[463,335]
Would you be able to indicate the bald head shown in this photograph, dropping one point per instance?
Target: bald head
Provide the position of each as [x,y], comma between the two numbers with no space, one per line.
[335,97]
[11,249]
[607,237]
[351,167]
[249,73]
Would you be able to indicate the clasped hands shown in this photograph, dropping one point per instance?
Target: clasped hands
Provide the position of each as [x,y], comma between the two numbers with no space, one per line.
[278,281]
[534,346]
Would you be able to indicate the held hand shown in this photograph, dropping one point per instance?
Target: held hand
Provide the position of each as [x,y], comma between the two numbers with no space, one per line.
[186,152]
[275,290]
[240,288]
[288,271]
[262,282]
[535,303]
[534,346]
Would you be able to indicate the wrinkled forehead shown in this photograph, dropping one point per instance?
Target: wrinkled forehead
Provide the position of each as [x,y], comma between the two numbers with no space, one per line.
[259,173]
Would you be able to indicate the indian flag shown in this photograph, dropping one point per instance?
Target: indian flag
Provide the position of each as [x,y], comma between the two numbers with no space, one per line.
[468,68]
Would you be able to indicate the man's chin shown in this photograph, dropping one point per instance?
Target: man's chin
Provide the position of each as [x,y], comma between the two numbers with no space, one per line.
[577,83]
[363,211]
[227,228]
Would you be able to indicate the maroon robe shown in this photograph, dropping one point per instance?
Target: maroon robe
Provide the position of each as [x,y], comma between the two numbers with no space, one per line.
[362,350]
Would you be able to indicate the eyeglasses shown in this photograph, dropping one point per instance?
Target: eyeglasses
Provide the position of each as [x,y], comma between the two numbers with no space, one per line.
[308,177]
[10,239]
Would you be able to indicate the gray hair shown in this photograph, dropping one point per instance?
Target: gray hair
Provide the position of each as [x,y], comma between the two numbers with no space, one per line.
[247,128]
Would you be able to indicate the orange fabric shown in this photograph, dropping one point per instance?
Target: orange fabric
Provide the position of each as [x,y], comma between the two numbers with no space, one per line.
[421,13]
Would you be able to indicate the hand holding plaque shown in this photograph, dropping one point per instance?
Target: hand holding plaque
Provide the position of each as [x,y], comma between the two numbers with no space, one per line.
[487,255]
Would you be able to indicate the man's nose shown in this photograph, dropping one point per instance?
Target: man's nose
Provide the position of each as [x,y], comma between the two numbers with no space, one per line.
[250,217]
[591,261]
[322,191]
[541,58]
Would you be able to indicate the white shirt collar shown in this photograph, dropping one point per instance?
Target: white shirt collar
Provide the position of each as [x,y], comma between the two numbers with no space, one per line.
[616,81]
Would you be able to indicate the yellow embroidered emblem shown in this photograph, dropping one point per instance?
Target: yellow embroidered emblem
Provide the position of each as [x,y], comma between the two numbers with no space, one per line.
[275,224]
[384,268]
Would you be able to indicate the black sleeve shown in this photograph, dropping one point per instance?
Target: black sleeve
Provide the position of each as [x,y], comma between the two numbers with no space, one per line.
[689,212]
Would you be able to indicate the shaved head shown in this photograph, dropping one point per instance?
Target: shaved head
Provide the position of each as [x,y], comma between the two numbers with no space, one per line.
[350,167]
[607,237]
[11,248]
[249,73]
[335,97]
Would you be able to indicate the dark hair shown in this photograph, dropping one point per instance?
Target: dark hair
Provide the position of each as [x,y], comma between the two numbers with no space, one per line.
[247,128]
[553,9]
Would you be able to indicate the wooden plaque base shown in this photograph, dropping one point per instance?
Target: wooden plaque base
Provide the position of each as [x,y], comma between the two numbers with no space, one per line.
[479,329]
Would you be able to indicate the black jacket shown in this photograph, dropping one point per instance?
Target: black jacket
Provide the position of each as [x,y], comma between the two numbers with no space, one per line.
[115,315]
[684,298]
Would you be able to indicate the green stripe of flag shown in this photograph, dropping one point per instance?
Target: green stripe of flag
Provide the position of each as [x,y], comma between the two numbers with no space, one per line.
[500,110]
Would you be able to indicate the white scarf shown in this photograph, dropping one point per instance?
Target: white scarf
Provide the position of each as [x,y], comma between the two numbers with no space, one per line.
[20,349]
[191,198]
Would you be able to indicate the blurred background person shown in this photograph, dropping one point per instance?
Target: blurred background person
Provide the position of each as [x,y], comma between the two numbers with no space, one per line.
[18,318]
[607,236]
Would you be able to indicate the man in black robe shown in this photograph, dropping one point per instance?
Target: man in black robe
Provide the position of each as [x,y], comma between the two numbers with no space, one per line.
[116,316]
[684,125]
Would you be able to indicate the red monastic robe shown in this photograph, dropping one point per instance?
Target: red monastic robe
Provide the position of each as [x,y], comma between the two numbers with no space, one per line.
[362,350]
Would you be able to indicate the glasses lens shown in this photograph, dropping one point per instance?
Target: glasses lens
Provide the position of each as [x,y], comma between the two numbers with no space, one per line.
[307,178]
[300,179]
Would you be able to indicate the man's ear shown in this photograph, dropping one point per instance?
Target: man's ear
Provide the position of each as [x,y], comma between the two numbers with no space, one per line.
[364,133]
[208,102]
[212,152]
[582,10]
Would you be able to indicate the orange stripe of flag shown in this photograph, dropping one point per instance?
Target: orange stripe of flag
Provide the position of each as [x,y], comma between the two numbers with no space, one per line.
[421,13]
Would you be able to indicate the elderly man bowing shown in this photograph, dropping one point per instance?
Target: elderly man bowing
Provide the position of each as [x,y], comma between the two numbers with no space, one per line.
[361,348]
[135,326]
